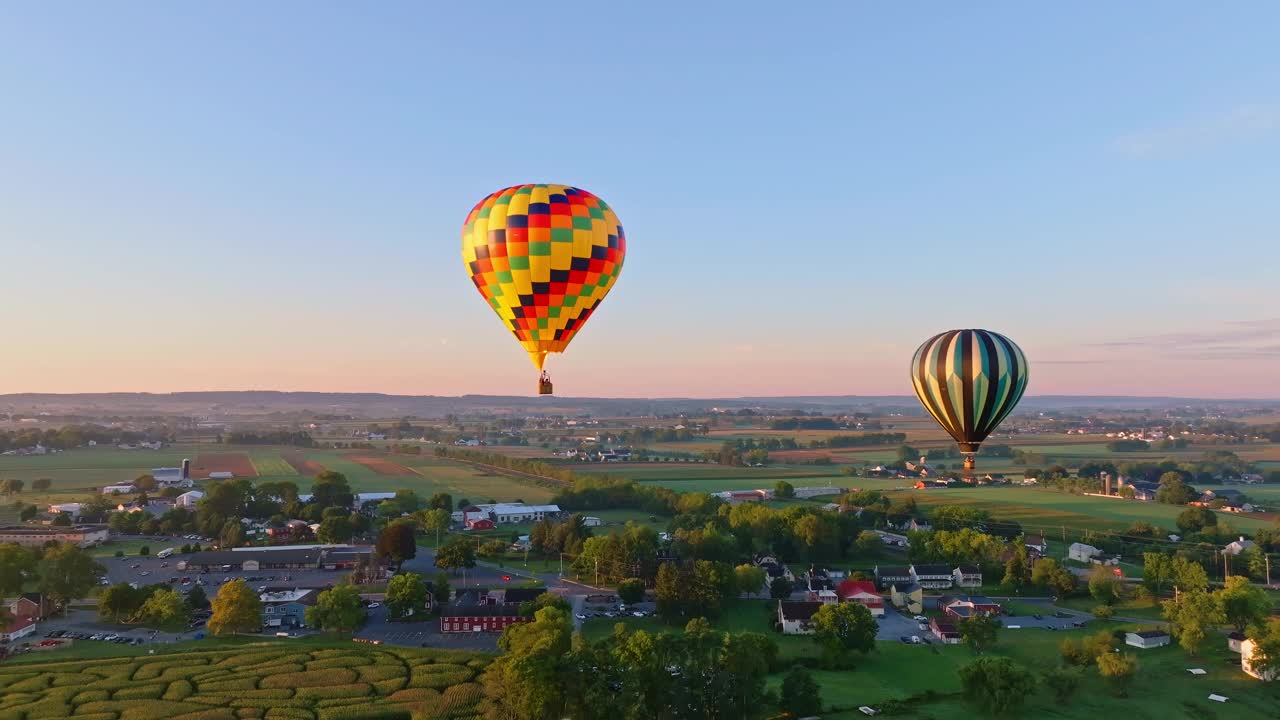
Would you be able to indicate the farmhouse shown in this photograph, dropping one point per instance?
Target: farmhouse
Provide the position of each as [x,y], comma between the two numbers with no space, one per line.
[29,605]
[31,536]
[1036,543]
[1235,547]
[886,576]
[796,617]
[1082,553]
[862,592]
[173,476]
[968,576]
[962,607]
[908,597]
[188,499]
[1147,639]
[286,608]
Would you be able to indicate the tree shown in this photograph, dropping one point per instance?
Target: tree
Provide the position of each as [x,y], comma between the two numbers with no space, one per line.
[1266,648]
[1157,571]
[331,490]
[525,683]
[1192,617]
[1117,670]
[440,589]
[780,588]
[1103,612]
[62,519]
[530,608]
[41,484]
[16,565]
[145,483]
[119,601]
[1062,682]
[232,534]
[1048,574]
[631,590]
[337,609]
[800,694]
[336,529]
[843,628]
[979,632]
[441,501]
[997,685]
[67,573]
[1017,571]
[1173,490]
[398,541]
[1103,585]
[457,553]
[1188,574]
[784,490]
[1243,603]
[749,578]
[164,607]
[197,599]
[11,486]
[867,542]
[436,519]
[1195,519]
[28,512]
[406,595]
[236,609]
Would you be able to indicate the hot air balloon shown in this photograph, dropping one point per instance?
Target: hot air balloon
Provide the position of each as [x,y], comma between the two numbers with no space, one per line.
[969,381]
[543,256]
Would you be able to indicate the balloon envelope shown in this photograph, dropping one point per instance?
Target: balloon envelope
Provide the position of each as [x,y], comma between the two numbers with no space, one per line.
[969,381]
[543,256]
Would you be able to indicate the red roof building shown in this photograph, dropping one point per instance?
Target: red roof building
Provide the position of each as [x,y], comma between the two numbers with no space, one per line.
[480,524]
[862,592]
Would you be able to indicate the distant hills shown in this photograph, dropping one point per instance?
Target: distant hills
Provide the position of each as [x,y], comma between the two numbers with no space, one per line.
[266,404]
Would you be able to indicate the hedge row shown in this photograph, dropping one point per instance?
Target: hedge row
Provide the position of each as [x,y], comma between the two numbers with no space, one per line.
[179,690]
[338,662]
[140,692]
[390,685]
[288,714]
[372,673]
[440,676]
[140,709]
[415,694]
[239,683]
[211,714]
[365,713]
[85,696]
[349,690]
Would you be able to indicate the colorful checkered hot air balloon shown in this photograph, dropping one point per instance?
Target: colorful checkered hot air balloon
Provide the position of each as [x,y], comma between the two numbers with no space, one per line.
[969,381]
[543,256]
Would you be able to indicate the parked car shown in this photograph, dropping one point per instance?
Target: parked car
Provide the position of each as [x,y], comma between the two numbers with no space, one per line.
[921,619]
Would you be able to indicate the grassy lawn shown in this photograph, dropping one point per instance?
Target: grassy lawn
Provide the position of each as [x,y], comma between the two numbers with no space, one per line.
[130,547]
[1129,608]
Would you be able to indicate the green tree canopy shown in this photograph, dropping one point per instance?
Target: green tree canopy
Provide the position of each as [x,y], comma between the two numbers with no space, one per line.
[406,595]
[236,610]
[842,629]
[996,685]
[338,609]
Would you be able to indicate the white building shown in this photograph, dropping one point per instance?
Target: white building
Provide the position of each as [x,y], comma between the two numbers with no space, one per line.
[1235,547]
[510,512]
[18,628]
[72,509]
[188,499]
[169,477]
[1247,649]
[1082,553]
[809,492]
[117,489]
[1147,639]
[592,522]
[796,618]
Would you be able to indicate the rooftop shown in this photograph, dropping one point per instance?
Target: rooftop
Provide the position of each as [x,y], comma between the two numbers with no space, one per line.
[303,595]
[798,610]
[1150,633]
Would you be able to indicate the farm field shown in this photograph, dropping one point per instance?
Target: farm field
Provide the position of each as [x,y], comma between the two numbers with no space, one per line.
[220,680]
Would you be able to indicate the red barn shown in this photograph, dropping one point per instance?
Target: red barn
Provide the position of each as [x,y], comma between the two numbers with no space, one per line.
[480,524]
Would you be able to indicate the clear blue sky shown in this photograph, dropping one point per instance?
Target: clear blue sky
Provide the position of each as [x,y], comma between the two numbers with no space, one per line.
[269,195]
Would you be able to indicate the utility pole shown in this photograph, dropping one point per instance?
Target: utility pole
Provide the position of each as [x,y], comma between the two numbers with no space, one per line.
[1268,559]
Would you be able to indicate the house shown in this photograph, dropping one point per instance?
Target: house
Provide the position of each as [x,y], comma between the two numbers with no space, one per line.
[945,631]
[71,508]
[1036,543]
[932,576]
[917,525]
[907,597]
[188,499]
[967,576]
[734,497]
[963,607]
[1082,553]
[18,627]
[1147,639]
[1235,547]
[773,571]
[117,489]
[862,592]
[480,523]
[795,617]
[1247,650]
[1234,642]
[889,575]
[471,615]
[286,608]
[29,605]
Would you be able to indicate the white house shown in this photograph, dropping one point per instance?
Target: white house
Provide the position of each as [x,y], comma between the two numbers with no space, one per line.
[1235,547]
[592,522]
[188,499]
[117,489]
[1247,650]
[18,628]
[511,512]
[1147,639]
[1082,553]
[796,617]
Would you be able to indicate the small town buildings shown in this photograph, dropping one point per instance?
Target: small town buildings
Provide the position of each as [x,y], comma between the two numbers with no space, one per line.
[1036,543]
[506,513]
[188,499]
[286,608]
[1247,650]
[29,605]
[862,592]
[1235,547]
[36,536]
[796,617]
[967,576]
[280,557]
[477,611]
[480,523]
[1147,639]
[70,508]
[908,597]
[18,627]
[1080,552]
[889,575]
[1234,642]
[933,576]
[735,497]
[945,631]
[963,607]
[805,493]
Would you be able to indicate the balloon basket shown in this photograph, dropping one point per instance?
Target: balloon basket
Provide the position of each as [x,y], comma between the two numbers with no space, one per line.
[544,387]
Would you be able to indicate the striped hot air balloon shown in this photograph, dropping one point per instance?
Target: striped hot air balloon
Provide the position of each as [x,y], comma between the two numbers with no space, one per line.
[543,256]
[969,381]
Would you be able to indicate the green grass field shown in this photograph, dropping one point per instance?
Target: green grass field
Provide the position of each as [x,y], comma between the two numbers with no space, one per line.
[320,679]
